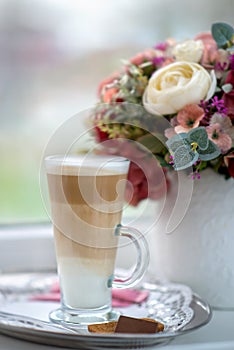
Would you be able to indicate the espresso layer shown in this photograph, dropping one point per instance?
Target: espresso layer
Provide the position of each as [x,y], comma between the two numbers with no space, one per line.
[86,189]
[85,211]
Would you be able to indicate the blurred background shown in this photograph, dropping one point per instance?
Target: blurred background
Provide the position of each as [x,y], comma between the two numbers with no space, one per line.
[53,54]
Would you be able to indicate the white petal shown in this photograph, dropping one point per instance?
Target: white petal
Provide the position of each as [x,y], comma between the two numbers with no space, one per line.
[212,86]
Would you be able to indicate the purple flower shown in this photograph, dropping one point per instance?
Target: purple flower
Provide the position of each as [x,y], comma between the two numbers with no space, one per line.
[161,46]
[231,59]
[219,105]
[211,107]
[221,66]
[158,61]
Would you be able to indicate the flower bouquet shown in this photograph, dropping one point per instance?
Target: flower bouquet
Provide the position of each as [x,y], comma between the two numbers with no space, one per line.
[172,107]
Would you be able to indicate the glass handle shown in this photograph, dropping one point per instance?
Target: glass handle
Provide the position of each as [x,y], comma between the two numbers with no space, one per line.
[143,256]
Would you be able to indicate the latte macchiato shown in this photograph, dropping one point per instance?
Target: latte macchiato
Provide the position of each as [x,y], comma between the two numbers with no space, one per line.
[86,206]
[87,198]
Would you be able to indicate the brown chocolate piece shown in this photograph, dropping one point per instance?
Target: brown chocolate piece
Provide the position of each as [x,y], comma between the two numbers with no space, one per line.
[160,325]
[135,325]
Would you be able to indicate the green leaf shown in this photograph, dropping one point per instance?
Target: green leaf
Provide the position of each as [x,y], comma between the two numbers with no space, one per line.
[162,161]
[202,165]
[176,141]
[227,88]
[199,136]
[184,158]
[222,34]
[211,152]
[152,143]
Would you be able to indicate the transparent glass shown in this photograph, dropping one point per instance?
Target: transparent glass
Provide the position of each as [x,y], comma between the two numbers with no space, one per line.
[87,200]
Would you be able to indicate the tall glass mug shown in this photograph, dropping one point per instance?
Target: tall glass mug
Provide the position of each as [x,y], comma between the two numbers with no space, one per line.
[87,198]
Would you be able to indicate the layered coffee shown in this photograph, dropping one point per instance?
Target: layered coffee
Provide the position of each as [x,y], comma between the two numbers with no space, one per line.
[86,206]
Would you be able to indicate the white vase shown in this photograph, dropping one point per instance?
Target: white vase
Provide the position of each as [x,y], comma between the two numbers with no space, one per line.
[200,250]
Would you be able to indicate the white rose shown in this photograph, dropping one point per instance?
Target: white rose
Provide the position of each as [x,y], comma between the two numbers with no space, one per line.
[189,50]
[172,87]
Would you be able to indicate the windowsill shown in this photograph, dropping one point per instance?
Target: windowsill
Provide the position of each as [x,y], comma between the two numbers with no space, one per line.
[26,248]
[30,248]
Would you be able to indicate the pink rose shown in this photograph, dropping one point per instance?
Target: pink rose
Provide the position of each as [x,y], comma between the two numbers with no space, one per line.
[229,97]
[109,94]
[210,48]
[138,59]
[147,55]
[168,61]
[107,81]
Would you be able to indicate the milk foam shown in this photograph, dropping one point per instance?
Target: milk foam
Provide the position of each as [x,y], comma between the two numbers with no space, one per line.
[82,286]
[86,165]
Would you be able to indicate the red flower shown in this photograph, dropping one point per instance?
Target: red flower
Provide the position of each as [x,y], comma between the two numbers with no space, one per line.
[146,178]
[100,135]
[229,97]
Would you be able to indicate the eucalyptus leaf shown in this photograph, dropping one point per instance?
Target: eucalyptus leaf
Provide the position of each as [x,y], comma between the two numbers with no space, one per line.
[227,88]
[222,33]
[199,136]
[211,152]
[184,158]
[176,141]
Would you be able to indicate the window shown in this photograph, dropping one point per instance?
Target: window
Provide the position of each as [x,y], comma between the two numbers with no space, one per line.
[53,54]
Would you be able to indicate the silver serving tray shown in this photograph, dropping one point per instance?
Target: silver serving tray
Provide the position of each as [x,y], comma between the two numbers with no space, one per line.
[22,325]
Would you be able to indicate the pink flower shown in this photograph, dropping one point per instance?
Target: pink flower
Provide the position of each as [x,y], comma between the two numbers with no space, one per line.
[222,63]
[168,61]
[170,132]
[229,97]
[106,82]
[210,48]
[109,94]
[225,123]
[219,137]
[147,55]
[188,118]
[138,59]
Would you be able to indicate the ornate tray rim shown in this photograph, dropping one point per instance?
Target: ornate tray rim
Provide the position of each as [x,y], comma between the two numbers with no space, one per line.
[71,339]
